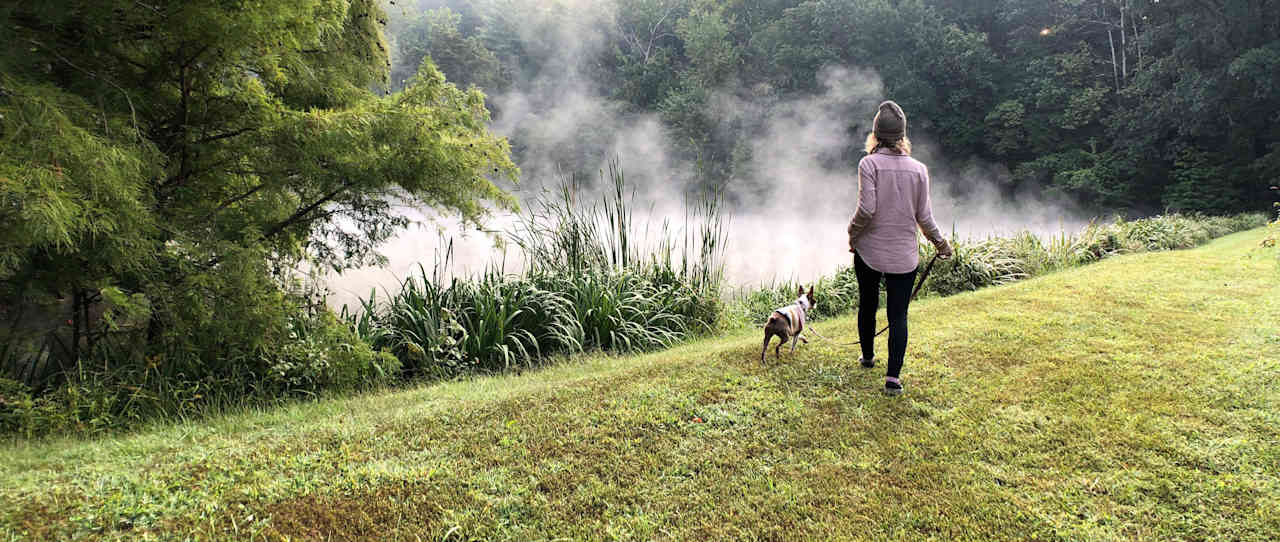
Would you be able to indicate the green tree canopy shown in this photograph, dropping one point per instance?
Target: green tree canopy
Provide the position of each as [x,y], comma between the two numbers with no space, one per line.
[190,153]
[1123,105]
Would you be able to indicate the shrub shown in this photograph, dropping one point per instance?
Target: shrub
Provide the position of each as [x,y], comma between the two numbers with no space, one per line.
[15,403]
[321,353]
[418,326]
[977,265]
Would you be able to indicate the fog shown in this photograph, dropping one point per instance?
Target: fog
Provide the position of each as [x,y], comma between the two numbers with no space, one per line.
[789,201]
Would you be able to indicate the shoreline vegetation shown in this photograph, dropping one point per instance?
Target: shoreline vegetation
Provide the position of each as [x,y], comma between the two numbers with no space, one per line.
[1096,403]
[588,285]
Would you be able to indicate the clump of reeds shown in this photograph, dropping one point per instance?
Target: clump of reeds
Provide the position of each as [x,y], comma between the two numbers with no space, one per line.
[590,282]
[630,292]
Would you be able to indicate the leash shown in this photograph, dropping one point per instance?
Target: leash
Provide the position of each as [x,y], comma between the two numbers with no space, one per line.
[915,291]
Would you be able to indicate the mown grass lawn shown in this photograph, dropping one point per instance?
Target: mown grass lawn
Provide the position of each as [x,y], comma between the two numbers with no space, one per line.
[1135,399]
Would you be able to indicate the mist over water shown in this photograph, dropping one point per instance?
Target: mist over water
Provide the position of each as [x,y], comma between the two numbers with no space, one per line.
[789,201]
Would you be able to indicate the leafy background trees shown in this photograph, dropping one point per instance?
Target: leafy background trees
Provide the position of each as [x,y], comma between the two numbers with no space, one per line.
[1137,106]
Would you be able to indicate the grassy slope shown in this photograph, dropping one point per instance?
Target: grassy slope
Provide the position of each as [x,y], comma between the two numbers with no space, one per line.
[1138,398]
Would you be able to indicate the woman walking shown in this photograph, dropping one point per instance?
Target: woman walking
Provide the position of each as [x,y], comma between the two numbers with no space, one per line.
[893,201]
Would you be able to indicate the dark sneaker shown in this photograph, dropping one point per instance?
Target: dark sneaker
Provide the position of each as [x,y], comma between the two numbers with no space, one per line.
[892,386]
[867,363]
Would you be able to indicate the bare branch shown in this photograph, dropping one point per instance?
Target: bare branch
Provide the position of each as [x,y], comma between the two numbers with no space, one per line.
[225,135]
[302,213]
[232,201]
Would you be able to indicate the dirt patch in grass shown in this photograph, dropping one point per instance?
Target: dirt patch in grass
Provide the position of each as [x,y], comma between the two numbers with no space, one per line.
[41,519]
[390,512]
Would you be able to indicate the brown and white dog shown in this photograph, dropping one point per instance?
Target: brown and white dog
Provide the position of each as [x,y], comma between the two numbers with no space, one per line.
[787,323]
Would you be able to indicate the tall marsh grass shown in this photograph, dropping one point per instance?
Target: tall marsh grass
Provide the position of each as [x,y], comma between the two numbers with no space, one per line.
[591,281]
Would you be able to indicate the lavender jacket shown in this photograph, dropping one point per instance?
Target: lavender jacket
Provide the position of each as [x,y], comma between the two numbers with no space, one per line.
[893,199]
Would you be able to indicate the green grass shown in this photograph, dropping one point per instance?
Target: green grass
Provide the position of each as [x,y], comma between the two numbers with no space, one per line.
[1134,399]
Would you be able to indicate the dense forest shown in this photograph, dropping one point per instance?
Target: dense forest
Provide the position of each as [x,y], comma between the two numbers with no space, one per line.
[1138,106]
[174,173]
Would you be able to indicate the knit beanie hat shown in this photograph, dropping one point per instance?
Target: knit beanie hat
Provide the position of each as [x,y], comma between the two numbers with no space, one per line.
[891,123]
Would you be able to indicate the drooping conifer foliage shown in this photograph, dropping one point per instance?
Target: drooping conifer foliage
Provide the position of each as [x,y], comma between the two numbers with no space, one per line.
[167,167]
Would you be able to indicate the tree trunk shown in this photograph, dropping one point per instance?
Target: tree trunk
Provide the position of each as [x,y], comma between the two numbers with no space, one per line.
[76,300]
[1124,48]
[1137,42]
[87,300]
[1115,70]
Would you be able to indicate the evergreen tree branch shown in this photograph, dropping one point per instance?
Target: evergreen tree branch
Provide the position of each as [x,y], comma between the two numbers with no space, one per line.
[302,213]
[133,111]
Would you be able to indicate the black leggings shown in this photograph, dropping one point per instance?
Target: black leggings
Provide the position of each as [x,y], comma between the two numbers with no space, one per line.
[898,296]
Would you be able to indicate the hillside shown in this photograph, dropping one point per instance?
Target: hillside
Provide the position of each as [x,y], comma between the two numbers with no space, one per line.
[1137,398]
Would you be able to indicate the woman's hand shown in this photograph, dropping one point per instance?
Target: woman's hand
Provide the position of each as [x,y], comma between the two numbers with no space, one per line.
[944,250]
